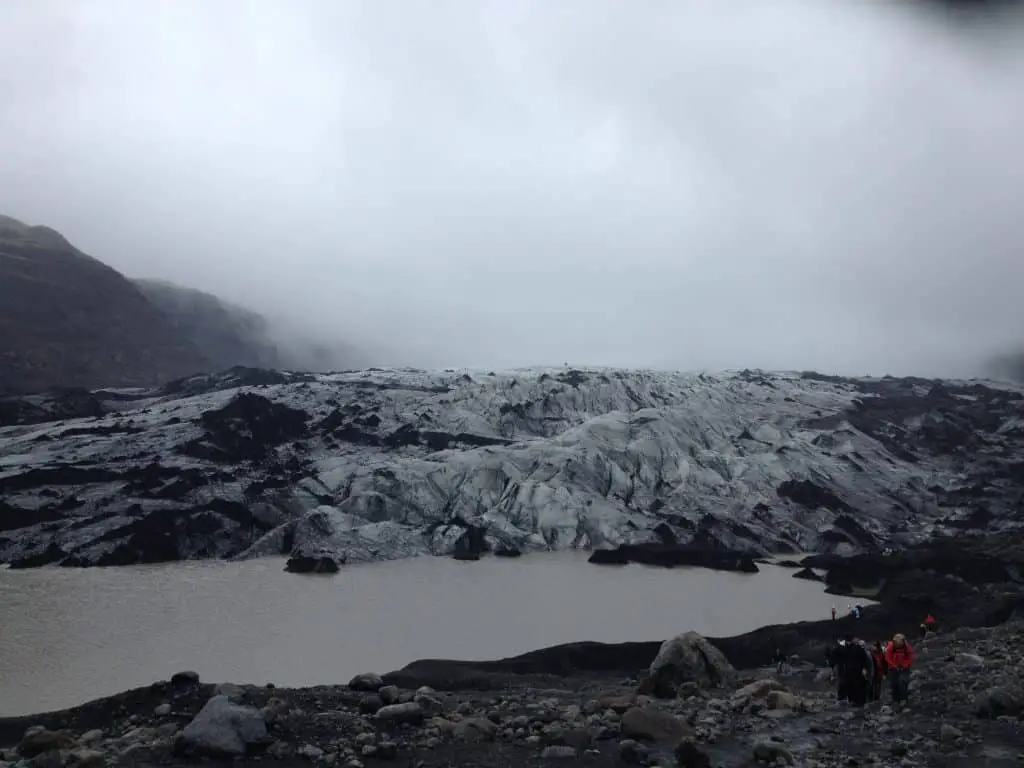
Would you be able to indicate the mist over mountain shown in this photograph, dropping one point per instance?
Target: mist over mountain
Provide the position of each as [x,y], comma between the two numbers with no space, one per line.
[69,320]
[230,335]
[782,185]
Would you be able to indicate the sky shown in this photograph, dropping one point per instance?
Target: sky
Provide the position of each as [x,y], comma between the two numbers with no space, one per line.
[783,184]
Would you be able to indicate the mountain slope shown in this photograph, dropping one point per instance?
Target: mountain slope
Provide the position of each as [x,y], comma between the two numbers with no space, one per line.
[230,335]
[391,463]
[226,334]
[67,319]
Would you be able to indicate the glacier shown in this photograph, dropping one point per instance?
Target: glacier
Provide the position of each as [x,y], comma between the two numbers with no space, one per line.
[390,463]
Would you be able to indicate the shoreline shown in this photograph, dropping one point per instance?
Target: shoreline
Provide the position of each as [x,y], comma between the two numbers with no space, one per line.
[539,703]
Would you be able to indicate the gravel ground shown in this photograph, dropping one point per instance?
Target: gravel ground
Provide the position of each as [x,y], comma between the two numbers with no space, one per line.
[966,709]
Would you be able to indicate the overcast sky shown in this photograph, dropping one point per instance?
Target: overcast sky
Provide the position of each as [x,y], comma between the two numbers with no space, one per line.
[669,183]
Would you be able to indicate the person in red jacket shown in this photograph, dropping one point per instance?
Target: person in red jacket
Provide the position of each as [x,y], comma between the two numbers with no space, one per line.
[899,656]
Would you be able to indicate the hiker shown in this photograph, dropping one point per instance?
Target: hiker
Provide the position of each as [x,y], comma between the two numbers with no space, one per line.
[899,656]
[835,660]
[833,611]
[881,668]
[857,610]
[854,670]
[781,661]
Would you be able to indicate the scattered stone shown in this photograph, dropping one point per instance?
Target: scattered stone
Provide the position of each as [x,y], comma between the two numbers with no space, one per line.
[654,725]
[310,752]
[949,733]
[475,729]
[366,682]
[389,694]
[162,710]
[224,729]
[185,678]
[234,692]
[632,752]
[772,752]
[558,752]
[689,755]
[409,712]
[38,741]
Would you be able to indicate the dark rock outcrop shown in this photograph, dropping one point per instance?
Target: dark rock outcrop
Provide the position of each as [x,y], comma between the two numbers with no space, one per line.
[246,429]
[673,555]
[311,565]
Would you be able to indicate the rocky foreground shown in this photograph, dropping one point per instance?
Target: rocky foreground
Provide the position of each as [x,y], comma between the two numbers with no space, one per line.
[690,701]
[380,464]
[966,710]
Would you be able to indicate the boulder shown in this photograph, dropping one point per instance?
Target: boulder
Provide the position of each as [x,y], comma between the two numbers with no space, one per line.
[686,658]
[224,729]
[651,724]
[410,712]
[367,681]
[39,741]
[311,564]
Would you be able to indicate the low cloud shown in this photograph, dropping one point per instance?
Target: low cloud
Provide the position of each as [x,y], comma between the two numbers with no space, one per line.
[792,184]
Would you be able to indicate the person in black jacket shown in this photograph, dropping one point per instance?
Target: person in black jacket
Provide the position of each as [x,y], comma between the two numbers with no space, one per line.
[855,670]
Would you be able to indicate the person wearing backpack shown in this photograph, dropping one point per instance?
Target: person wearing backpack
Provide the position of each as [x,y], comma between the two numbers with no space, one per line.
[899,656]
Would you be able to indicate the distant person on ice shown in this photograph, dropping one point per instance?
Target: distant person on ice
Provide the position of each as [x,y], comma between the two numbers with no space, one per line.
[833,611]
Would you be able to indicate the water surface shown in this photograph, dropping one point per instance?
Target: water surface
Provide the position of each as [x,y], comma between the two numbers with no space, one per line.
[68,635]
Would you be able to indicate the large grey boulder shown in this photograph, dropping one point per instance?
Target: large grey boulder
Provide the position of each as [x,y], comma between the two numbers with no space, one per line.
[687,658]
[224,729]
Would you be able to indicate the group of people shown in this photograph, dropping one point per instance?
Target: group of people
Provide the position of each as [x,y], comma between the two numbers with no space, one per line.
[853,610]
[860,669]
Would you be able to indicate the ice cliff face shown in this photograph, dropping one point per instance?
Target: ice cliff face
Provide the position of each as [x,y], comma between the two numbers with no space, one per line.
[384,464]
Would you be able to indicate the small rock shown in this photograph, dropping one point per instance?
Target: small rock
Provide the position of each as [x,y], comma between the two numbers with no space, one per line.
[632,752]
[389,694]
[367,681]
[475,729]
[234,692]
[92,736]
[780,700]
[162,710]
[558,752]
[37,742]
[771,752]
[654,725]
[970,660]
[310,752]
[577,738]
[688,755]
[87,758]
[410,712]
[274,710]
[370,704]
[186,678]
[949,733]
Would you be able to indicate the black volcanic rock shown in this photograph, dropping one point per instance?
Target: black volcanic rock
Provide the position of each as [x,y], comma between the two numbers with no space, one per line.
[246,429]
[672,555]
[808,574]
[311,565]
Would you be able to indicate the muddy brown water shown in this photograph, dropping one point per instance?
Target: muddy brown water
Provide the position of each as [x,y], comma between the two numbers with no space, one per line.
[68,636]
